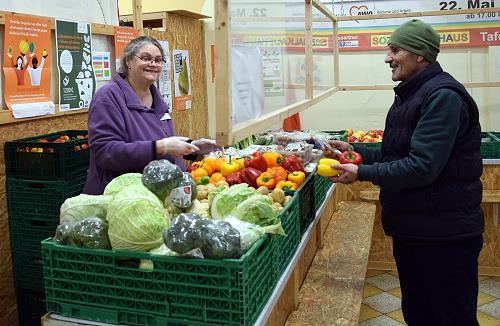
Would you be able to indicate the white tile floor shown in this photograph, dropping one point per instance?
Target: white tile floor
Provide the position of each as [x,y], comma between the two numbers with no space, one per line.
[382,300]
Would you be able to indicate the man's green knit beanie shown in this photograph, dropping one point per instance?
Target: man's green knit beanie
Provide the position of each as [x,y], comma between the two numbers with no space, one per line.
[417,37]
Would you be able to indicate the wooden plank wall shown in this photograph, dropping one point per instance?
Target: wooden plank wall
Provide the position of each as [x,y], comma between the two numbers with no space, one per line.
[185,33]
[182,33]
[8,315]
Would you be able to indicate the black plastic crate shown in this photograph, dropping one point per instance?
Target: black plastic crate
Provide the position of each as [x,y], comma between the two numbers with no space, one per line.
[38,198]
[28,269]
[306,203]
[30,306]
[33,158]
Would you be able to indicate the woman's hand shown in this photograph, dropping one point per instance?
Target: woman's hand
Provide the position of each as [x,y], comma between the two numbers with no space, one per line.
[348,173]
[206,146]
[175,146]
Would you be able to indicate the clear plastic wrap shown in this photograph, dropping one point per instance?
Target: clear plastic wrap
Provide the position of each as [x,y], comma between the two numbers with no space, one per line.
[249,233]
[184,194]
[90,233]
[215,239]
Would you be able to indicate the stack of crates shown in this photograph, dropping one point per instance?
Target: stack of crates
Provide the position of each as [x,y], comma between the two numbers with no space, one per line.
[42,172]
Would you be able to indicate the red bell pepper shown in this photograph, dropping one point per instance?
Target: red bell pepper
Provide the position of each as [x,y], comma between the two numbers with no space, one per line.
[249,175]
[351,157]
[256,161]
[234,178]
[292,163]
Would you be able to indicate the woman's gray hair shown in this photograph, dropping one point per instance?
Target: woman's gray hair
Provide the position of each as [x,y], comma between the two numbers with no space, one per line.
[133,48]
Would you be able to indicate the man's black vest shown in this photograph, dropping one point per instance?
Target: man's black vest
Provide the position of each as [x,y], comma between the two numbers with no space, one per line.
[449,208]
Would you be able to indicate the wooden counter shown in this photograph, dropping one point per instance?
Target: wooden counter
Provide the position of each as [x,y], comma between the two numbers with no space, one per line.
[489,261]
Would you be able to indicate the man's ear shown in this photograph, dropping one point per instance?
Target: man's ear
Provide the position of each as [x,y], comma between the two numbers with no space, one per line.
[420,59]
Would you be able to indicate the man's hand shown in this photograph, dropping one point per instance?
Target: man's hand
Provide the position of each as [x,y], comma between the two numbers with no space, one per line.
[348,174]
[335,144]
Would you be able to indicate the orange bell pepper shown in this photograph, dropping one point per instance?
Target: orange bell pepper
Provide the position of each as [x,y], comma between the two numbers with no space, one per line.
[273,159]
[205,166]
[216,177]
[198,173]
[287,185]
[214,162]
[266,179]
[279,173]
[297,176]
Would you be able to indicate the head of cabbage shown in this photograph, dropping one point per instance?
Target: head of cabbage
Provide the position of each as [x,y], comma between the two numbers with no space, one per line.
[122,181]
[136,219]
[83,206]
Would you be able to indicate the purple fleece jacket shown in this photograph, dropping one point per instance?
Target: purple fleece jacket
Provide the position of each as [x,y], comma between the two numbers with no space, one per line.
[122,133]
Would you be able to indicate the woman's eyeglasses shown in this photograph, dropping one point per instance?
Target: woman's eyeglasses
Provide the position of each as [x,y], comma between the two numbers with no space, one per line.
[147,59]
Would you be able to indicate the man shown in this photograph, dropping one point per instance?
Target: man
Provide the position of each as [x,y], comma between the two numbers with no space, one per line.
[428,171]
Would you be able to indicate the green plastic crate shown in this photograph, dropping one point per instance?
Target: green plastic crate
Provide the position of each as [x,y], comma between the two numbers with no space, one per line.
[26,236]
[490,145]
[41,198]
[285,246]
[57,161]
[321,187]
[92,284]
[337,134]
[28,269]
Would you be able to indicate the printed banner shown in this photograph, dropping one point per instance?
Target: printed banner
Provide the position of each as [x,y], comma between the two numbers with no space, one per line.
[26,66]
[74,62]
[182,80]
[464,30]
[100,62]
[123,35]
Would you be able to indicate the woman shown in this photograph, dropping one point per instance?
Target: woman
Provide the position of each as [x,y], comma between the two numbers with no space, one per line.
[129,122]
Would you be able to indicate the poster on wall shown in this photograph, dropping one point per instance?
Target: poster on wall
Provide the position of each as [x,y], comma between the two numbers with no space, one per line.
[164,83]
[123,35]
[101,64]
[74,62]
[26,66]
[182,80]
[272,70]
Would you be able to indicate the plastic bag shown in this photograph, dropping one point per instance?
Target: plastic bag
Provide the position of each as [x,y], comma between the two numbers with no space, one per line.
[215,239]
[249,233]
[90,233]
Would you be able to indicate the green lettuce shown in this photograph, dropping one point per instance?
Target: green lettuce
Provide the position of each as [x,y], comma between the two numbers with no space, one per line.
[258,210]
[227,200]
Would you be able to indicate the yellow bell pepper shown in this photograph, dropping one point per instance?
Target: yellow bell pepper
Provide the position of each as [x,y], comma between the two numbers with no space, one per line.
[297,176]
[273,159]
[227,168]
[287,185]
[325,169]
